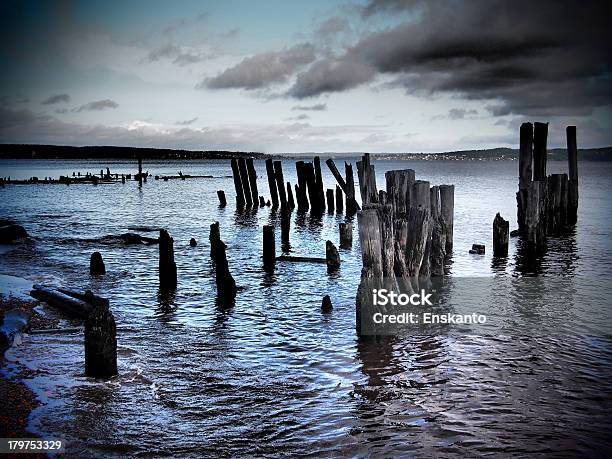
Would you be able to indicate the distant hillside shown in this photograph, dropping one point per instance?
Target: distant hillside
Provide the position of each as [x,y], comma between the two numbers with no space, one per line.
[67,152]
[556,154]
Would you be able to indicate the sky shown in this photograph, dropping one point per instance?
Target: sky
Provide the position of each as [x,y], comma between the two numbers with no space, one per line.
[312,76]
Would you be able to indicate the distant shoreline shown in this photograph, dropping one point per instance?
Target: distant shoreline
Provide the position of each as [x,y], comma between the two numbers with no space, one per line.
[31,151]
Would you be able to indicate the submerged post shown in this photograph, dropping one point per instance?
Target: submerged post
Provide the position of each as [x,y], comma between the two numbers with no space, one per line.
[501,233]
[332,257]
[346,235]
[221,195]
[269,249]
[96,264]
[167,266]
[100,342]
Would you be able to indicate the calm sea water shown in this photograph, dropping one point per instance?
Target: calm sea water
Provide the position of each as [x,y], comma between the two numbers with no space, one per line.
[272,375]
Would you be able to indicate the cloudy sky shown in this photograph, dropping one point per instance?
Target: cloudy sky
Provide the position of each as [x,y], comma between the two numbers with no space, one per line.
[318,75]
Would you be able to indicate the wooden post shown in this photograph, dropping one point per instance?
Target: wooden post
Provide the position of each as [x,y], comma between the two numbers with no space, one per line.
[252,180]
[272,182]
[418,233]
[339,200]
[221,195]
[244,179]
[399,188]
[501,234]
[332,257]
[326,305]
[371,244]
[367,180]
[237,184]
[96,264]
[525,171]
[540,134]
[312,190]
[285,228]
[438,234]
[346,235]
[572,190]
[300,187]
[139,170]
[280,183]
[557,203]
[385,218]
[421,196]
[330,200]
[214,238]
[262,201]
[351,203]
[167,266]
[447,207]
[269,250]
[535,216]
[100,343]
[226,285]
[290,200]
[319,184]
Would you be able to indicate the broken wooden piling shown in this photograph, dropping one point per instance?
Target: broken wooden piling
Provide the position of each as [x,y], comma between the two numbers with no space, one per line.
[280,183]
[300,188]
[96,264]
[501,234]
[252,180]
[167,266]
[262,201]
[272,182]
[214,237]
[221,195]
[329,193]
[269,248]
[339,200]
[100,343]
[244,180]
[525,171]
[290,200]
[572,191]
[447,210]
[332,257]
[237,183]
[346,235]
[347,185]
[320,193]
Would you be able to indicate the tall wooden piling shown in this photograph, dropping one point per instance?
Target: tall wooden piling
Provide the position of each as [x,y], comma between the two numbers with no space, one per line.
[214,237]
[572,191]
[269,249]
[280,183]
[167,266]
[312,188]
[252,180]
[346,235]
[244,179]
[139,170]
[525,171]
[330,200]
[501,234]
[221,196]
[367,180]
[438,234]
[272,182]
[96,264]
[226,285]
[540,135]
[332,257]
[290,200]
[447,208]
[319,184]
[237,184]
[339,200]
[300,187]
[100,342]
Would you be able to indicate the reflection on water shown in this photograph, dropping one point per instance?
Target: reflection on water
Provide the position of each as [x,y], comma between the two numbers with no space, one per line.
[269,374]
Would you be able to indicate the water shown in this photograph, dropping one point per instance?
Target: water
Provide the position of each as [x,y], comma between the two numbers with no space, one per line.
[272,375]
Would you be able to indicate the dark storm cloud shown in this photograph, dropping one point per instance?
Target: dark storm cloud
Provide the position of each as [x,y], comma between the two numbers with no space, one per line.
[547,57]
[98,105]
[56,99]
[311,108]
[263,69]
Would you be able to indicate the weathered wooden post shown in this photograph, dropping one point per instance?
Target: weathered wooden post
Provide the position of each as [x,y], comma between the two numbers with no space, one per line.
[438,234]
[214,237]
[237,184]
[290,200]
[540,134]
[100,342]
[285,227]
[272,182]
[556,203]
[447,207]
[326,305]
[300,187]
[252,180]
[332,257]
[269,249]
[167,266]
[280,183]
[226,285]
[139,170]
[312,188]
[262,201]
[346,235]
[501,233]
[367,180]
[330,200]
[525,171]
[339,200]
[96,264]
[347,186]
[244,179]
[319,184]
[572,191]
[221,195]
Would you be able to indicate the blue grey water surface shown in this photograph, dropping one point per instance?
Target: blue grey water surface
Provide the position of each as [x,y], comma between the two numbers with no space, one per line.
[271,375]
